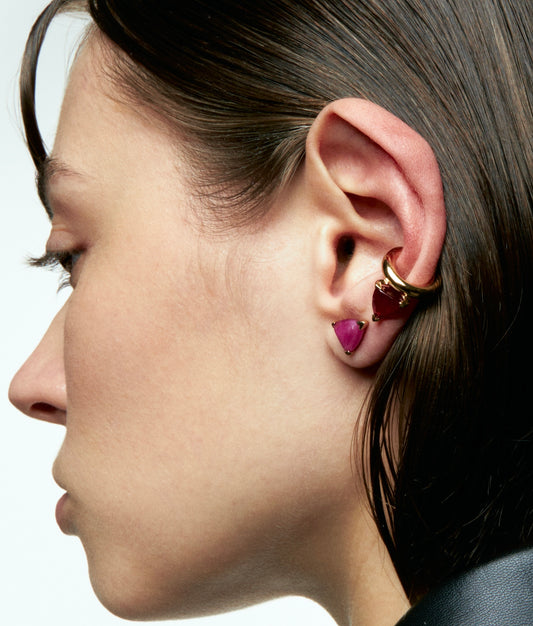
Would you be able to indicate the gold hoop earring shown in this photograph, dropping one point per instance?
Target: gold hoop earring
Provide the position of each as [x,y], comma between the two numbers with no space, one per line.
[393,293]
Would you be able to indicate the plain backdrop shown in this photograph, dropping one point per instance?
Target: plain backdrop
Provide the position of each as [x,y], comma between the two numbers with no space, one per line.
[43,574]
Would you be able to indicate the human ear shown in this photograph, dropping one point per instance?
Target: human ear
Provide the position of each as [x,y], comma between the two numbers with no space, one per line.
[376,185]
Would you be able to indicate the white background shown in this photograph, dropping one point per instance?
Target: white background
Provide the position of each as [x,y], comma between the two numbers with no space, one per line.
[43,574]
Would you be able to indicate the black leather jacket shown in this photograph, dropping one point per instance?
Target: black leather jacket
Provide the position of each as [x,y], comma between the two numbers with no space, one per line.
[499,593]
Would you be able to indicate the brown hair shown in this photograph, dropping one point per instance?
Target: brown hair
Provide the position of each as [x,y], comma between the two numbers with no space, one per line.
[244,82]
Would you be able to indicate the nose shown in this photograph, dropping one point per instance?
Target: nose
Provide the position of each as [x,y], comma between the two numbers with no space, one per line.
[38,388]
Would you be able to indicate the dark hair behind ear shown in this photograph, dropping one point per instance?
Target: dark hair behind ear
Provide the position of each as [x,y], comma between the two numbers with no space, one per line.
[242,83]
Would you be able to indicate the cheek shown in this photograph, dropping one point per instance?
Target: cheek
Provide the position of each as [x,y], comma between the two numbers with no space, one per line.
[158,399]
[148,452]
[186,454]
[133,353]
[175,383]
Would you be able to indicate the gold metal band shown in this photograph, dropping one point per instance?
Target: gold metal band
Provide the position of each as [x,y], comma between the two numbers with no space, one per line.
[401,285]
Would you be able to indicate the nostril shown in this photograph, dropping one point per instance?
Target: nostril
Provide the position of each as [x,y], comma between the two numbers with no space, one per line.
[42,407]
[48,413]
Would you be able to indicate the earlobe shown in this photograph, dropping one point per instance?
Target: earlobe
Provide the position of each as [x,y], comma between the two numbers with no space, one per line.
[377,183]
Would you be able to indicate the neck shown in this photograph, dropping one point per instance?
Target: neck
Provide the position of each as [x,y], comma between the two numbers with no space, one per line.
[352,574]
[372,592]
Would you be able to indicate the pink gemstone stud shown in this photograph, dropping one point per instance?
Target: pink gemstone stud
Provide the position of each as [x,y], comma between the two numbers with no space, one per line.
[349,333]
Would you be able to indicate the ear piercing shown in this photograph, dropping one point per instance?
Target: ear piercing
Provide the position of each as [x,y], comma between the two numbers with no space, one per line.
[350,333]
[392,293]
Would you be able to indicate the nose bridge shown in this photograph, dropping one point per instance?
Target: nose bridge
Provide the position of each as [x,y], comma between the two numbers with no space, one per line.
[38,388]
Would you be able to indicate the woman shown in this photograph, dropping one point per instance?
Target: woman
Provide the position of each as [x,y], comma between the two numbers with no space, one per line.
[299,236]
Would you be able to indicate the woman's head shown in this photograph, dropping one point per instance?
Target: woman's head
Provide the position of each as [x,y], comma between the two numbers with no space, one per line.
[239,173]
[175,368]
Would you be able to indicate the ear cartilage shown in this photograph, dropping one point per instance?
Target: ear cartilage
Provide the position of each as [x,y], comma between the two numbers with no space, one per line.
[350,333]
[392,293]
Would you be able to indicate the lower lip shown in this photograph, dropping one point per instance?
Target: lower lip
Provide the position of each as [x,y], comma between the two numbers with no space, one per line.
[62,517]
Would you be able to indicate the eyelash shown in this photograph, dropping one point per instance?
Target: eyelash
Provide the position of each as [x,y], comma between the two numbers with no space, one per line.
[60,260]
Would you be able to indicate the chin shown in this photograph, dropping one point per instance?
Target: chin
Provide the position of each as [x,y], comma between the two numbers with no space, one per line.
[128,600]
[134,592]
[129,590]
[136,604]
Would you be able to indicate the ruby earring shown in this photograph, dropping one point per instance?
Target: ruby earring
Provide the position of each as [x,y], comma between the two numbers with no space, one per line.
[392,294]
[350,333]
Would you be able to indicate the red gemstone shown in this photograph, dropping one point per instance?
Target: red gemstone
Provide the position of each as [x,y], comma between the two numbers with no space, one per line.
[388,302]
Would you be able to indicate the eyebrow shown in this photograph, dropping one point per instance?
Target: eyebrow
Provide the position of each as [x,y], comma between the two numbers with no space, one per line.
[49,169]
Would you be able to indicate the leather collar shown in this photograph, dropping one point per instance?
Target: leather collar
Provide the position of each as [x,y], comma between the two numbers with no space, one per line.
[499,593]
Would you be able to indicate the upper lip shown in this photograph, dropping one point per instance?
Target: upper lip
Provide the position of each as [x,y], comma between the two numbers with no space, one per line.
[56,477]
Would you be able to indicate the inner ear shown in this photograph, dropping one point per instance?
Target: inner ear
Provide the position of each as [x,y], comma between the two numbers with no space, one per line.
[345,249]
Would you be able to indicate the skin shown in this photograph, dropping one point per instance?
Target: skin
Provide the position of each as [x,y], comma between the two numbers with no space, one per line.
[208,425]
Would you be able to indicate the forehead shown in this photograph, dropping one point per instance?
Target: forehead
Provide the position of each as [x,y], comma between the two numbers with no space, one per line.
[88,111]
[102,136]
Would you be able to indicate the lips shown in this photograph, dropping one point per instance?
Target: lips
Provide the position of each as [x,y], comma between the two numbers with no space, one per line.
[64,515]
[64,506]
